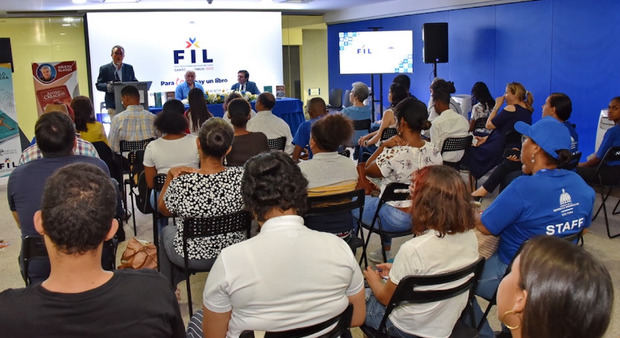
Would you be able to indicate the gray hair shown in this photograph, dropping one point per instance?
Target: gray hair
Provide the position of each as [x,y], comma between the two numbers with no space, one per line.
[360,91]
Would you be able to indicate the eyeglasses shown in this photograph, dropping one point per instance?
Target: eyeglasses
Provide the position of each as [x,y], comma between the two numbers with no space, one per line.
[523,138]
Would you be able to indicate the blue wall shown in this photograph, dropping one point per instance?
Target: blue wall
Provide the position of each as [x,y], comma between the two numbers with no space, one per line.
[570,46]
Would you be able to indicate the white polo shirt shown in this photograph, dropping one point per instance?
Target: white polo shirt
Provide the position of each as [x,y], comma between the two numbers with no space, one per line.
[286,277]
[328,168]
[273,127]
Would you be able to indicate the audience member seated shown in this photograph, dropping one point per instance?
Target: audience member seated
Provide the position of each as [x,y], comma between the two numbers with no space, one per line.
[90,129]
[329,172]
[212,190]
[173,149]
[316,109]
[545,201]
[448,123]
[133,124]
[396,94]
[55,134]
[396,160]
[287,276]
[229,98]
[484,103]
[80,147]
[268,123]
[245,144]
[558,106]
[405,81]
[608,173]
[79,298]
[443,221]
[555,290]
[183,89]
[357,110]
[432,113]
[198,111]
[489,151]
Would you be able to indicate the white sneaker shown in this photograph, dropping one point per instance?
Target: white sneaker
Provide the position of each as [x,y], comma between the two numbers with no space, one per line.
[377,257]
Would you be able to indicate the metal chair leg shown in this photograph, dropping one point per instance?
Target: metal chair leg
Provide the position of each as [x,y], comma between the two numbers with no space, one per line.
[616,211]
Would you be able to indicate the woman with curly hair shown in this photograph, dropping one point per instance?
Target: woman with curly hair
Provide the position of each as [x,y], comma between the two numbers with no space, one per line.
[555,290]
[443,221]
[271,282]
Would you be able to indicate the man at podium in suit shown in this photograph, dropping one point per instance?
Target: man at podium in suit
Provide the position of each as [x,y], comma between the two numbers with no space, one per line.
[243,83]
[116,71]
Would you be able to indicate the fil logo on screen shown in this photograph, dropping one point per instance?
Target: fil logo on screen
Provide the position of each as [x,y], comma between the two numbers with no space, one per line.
[364,50]
[194,57]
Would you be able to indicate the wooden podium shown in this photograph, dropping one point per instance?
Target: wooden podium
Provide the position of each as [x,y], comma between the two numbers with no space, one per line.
[143,89]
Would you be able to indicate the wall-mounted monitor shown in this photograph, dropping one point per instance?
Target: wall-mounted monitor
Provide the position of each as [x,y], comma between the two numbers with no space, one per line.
[376,52]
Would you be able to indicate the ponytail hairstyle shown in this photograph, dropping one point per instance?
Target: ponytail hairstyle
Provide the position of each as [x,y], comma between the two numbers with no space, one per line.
[442,90]
[481,92]
[414,113]
[523,95]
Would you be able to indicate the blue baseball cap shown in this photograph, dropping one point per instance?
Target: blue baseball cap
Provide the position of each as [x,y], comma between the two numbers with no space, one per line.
[549,133]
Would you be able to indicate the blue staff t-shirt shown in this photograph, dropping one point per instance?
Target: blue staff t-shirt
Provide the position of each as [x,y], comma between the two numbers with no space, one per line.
[302,136]
[574,139]
[611,139]
[551,202]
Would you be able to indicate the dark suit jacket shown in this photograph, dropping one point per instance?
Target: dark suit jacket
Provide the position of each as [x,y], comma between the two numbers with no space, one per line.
[249,87]
[106,74]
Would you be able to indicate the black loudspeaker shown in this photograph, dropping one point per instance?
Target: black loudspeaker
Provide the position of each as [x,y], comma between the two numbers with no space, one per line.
[435,36]
[5,52]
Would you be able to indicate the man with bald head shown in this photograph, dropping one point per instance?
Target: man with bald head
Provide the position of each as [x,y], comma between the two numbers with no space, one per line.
[190,83]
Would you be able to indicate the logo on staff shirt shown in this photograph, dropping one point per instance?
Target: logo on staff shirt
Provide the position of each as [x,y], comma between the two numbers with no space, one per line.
[567,208]
[566,204]
[565,198]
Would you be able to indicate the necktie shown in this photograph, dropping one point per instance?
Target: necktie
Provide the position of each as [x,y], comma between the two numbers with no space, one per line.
[116,78]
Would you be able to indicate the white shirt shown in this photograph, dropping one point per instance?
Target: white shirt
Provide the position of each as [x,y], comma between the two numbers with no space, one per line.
[328,168]
[432,114]
[430,255]
[272,283]
[273,127]
[449,124]
[165,154]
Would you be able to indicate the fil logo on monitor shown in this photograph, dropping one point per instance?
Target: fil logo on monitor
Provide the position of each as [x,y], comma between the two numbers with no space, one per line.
[194,57]
[364,50]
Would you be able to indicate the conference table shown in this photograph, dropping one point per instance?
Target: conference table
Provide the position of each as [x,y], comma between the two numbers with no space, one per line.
[291,110]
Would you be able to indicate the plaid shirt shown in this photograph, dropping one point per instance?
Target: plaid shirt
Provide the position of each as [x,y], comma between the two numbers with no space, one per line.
[133,124]
[82,147]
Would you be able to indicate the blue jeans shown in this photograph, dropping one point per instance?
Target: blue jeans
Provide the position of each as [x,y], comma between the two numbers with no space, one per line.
[374,314]
[492,273]
[392,219]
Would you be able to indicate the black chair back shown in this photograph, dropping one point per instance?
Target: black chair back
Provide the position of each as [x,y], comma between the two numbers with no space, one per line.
[612,155]
[32,247]
[405,292]
[480,123]
[346,99]
[456,144]
[341,329]
[362,124]
[387,133]
[133,166]
[335,99]
[332,213]
[277,143]
[160,180]
[239,221]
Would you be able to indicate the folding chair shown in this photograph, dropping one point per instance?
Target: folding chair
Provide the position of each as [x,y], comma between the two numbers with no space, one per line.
[387,133]
[393,192]
[277,143]
[456,144]
[239,221]
[612,155]
[332,213]
[341,329]
[32,247]
[406,293]
[160,180]
[135,150]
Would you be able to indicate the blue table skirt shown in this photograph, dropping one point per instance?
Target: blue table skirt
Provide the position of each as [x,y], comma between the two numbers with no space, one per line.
[289,109]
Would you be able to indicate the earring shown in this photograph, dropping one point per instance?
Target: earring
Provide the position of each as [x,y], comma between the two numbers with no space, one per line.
[532,160]
[514,327]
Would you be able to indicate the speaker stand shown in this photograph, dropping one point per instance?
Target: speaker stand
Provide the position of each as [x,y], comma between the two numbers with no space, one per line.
[373,100]
[435,69]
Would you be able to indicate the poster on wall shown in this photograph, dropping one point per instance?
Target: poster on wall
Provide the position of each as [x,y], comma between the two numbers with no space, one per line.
[10,146]
[54,83]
